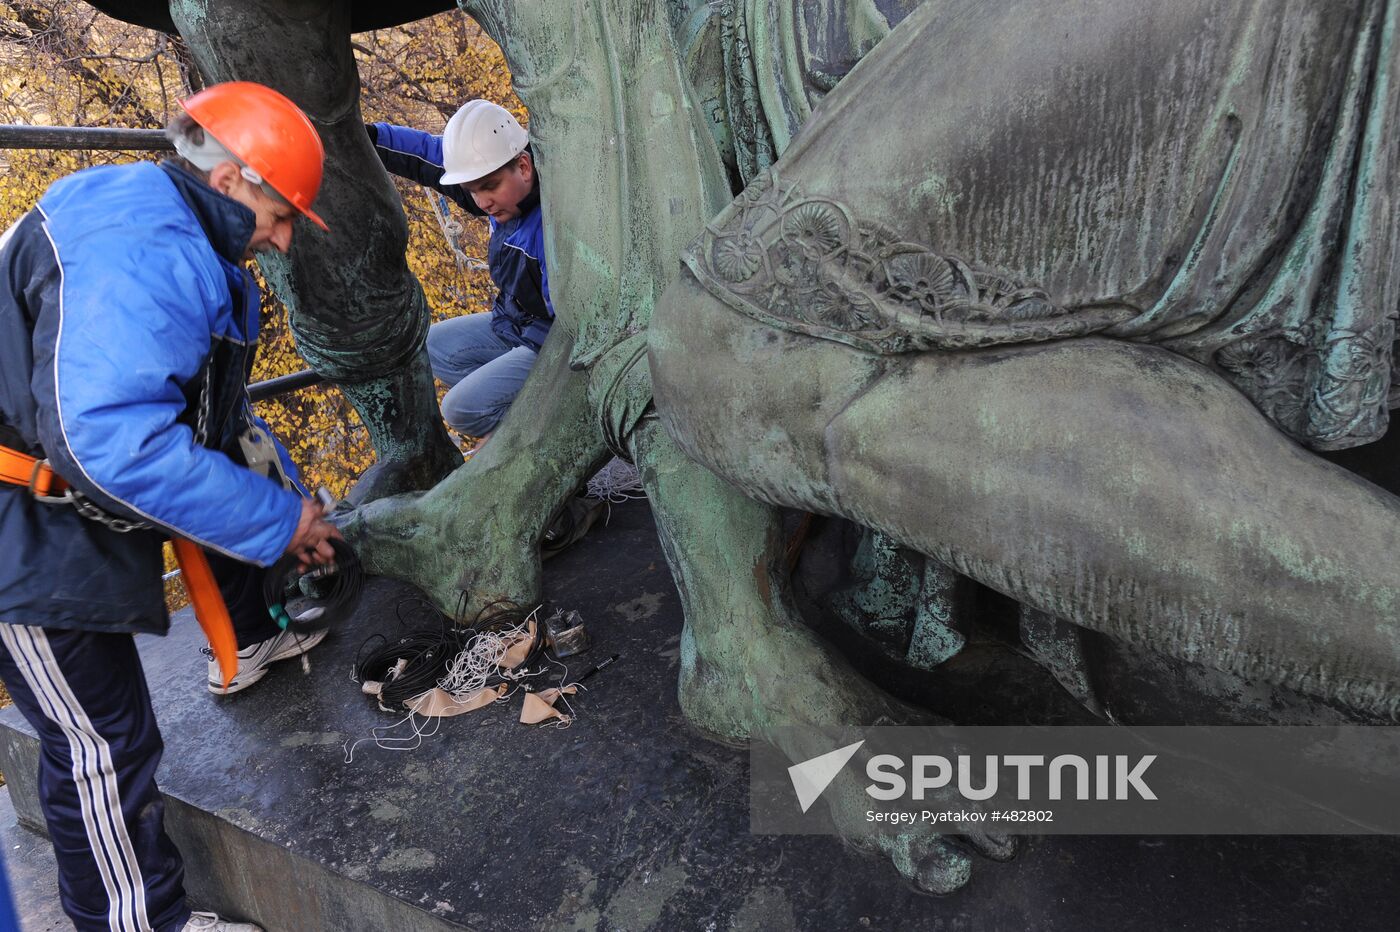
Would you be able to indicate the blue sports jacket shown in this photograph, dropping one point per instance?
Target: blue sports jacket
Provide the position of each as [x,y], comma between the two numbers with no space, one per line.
[124,308]
[522,313]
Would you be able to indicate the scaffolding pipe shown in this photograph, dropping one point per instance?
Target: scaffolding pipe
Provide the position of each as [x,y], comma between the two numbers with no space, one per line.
[82,137]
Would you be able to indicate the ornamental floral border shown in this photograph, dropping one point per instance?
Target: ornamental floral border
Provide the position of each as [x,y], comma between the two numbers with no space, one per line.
[811,265]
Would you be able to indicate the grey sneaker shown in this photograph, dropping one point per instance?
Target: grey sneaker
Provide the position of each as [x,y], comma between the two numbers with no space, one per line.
[253,661]
[210,922]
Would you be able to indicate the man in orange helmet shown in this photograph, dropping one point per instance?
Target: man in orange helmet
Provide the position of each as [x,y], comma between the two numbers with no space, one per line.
[127,329]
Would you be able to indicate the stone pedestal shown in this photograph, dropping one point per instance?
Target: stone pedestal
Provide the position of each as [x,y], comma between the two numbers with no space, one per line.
[628,819]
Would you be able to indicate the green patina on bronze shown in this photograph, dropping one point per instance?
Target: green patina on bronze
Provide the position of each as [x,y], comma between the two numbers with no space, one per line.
[908,603]
[1040,290]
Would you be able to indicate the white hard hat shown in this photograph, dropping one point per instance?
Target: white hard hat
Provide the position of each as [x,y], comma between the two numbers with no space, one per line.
[480,138]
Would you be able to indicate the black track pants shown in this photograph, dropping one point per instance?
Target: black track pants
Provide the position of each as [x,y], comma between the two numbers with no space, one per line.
[85,694]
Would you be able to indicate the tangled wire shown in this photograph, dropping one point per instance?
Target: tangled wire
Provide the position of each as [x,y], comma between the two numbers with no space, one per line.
[458,658]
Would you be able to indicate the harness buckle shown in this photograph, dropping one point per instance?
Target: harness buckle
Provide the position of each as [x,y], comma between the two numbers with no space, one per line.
[39,466]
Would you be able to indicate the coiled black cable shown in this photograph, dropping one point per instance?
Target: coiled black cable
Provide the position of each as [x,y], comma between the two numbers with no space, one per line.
[424,654]
[336,591]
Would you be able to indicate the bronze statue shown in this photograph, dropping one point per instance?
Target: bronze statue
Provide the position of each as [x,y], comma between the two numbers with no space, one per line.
[1052,292]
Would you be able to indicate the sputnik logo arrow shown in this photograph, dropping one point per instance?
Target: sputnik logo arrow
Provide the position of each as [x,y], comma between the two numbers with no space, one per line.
[811,777]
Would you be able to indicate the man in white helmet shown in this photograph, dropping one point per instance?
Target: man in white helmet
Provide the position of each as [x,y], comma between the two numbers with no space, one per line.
[483,162]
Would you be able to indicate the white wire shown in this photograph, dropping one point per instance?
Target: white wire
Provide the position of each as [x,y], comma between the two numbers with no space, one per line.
[616,482]
[470,669]
[385,741]
[563,697]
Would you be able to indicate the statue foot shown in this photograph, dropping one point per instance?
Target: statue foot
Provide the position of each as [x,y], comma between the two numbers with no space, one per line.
[805,686]
[930,863]
[462,562]
[938,865]
[474,538]
[401,412]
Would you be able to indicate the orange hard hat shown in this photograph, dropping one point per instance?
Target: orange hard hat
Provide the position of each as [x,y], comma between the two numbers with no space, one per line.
[269,133]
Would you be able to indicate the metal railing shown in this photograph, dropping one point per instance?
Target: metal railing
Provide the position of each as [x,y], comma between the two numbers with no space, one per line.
[283,385]
[14,136]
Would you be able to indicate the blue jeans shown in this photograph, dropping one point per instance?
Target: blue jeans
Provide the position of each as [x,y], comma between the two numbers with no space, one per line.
[483,373]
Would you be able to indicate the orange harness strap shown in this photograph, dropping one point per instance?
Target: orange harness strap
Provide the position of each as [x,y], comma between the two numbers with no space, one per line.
[209,607]
[20,469]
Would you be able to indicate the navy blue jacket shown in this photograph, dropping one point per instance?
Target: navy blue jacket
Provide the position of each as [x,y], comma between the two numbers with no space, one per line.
[122,295]
[522,313]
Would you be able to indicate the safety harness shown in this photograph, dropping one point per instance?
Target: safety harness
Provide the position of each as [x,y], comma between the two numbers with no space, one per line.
[38,477]
[18,468]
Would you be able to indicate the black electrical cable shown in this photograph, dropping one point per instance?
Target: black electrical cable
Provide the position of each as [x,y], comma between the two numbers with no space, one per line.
[501,615]
[420,654]
[424,655]
[337,589]
[416,602]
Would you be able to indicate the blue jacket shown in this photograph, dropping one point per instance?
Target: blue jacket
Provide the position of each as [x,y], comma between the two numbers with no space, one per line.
[123,307]
[522,313]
